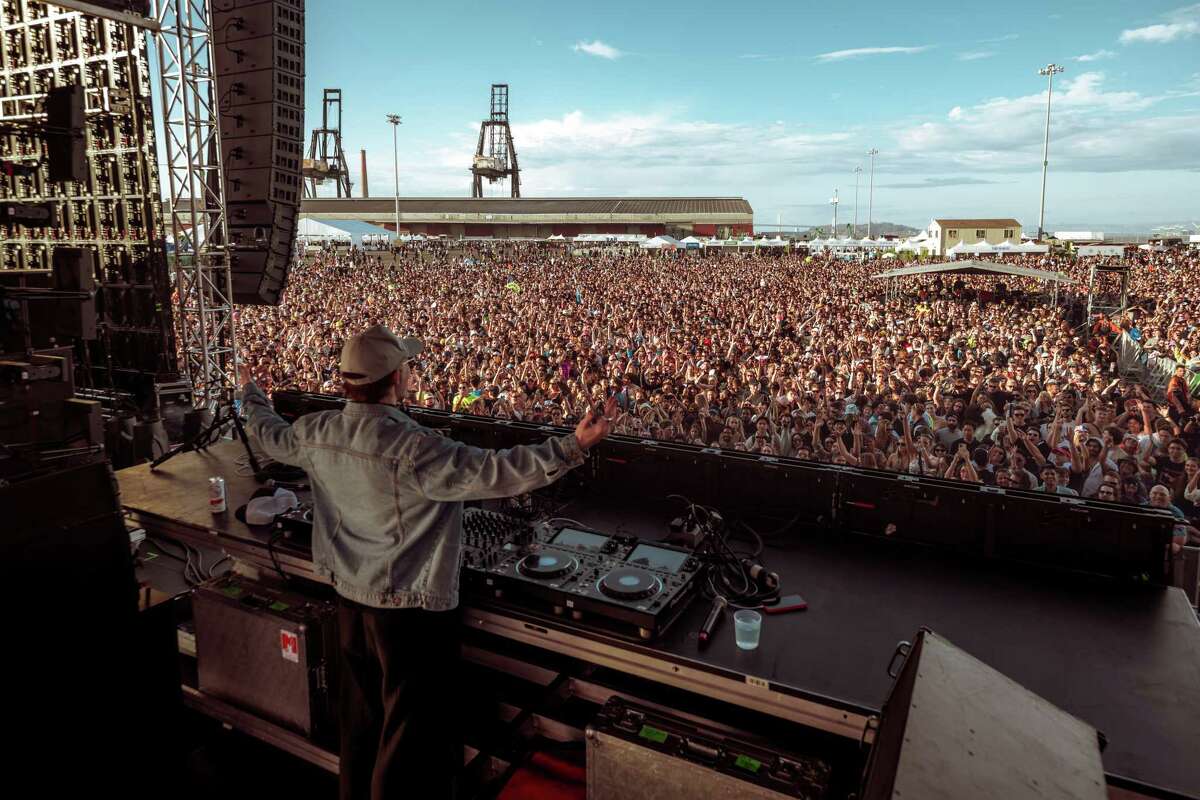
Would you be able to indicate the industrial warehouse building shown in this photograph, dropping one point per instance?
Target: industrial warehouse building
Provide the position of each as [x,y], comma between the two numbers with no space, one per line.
[541,217]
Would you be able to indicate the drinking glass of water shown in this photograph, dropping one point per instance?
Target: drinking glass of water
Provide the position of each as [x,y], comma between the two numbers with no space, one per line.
[746,627]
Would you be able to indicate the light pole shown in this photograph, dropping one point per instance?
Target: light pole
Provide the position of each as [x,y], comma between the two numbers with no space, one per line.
[833,201]
[395,120]
[1050,70]
[857,172]
[871,192]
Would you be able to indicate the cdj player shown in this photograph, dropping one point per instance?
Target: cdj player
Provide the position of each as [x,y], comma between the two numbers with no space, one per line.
[617,582]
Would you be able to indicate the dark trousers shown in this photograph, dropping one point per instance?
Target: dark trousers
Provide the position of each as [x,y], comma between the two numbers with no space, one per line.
[398,704]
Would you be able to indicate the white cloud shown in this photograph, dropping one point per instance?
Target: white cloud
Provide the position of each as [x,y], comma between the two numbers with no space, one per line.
[975,55]
[1099,55]
[1092,129]
[1182,23]
[860,52]
[599,49]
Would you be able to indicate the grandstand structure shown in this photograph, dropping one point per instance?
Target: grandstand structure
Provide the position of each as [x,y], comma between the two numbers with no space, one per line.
[541,217]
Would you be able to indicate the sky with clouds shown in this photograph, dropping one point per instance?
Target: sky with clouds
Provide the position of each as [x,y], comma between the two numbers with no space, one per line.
[778,102]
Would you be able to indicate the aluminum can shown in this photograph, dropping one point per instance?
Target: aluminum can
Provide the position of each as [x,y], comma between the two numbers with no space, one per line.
[216,494]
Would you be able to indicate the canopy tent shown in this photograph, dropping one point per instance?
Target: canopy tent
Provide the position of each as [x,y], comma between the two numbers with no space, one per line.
[973,267]
[312,229]
[324,229]
[916,244]
[986,248]
[557,237]
[660,243]
[1083,250]
[691,243]
[964,249]
[610,237]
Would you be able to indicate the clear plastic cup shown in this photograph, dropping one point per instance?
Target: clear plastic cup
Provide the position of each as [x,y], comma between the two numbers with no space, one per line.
[746,627]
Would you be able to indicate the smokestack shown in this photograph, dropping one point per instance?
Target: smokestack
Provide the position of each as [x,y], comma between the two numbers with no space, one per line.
[364,173]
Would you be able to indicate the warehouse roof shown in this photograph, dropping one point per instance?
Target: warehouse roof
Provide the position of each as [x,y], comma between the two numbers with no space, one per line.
[529,205]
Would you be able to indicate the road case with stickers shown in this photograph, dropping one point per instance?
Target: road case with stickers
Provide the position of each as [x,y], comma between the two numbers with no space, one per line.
[268,650]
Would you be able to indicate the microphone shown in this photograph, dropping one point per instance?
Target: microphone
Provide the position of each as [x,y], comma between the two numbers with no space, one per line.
[714,616]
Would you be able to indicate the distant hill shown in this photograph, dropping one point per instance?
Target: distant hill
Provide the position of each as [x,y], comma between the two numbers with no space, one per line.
[877,229]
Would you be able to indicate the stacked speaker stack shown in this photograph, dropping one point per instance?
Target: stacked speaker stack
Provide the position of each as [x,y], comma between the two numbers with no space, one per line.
[258,53]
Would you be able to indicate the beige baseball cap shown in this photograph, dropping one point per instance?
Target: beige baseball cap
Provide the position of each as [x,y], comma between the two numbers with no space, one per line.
[368,356]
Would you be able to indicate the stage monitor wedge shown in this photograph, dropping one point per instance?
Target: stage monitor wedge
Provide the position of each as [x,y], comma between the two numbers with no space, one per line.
[258,55]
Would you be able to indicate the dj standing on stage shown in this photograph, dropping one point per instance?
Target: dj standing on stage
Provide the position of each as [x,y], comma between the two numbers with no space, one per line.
[387,532]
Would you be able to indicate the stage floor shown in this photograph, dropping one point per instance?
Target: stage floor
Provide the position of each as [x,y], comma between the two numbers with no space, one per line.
[1125,659]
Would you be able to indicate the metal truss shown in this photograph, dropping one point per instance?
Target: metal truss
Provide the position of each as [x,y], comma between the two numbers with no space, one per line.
[1103,296]
[196,201]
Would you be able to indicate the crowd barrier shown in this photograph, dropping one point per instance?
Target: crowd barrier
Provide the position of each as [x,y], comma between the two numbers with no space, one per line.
[1060,532]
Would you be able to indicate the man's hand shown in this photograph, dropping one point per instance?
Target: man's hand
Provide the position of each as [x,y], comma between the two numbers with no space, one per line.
[594,428]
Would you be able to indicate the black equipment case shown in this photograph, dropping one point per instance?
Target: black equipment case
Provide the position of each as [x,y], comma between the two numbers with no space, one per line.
[268,650]
[952,728]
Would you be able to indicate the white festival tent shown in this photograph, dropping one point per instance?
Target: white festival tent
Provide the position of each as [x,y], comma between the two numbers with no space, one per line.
[316,230]
[610,237]
[660,243]
[986,248]
[691,243]
[846,243]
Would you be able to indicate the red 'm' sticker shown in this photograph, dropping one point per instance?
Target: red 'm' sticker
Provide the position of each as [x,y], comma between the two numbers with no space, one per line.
[289,646]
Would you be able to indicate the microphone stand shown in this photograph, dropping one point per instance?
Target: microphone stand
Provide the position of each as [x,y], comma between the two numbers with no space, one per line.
[203,439]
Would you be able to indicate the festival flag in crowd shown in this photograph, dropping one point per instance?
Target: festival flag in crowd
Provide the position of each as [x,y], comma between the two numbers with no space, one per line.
[513,286]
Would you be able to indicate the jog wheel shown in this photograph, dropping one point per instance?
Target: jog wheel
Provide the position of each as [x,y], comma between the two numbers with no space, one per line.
[629,583]
[547,565]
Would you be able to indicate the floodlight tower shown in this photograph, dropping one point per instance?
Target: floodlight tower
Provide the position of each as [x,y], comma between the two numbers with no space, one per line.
[499,160]
[833,201]
[1050,70]
[396,122]
[871,192]
[857,172]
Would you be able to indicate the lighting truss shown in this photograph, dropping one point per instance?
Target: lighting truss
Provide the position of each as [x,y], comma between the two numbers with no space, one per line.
[196,198]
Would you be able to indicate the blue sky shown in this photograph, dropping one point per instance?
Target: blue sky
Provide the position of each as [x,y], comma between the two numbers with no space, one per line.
[778,102]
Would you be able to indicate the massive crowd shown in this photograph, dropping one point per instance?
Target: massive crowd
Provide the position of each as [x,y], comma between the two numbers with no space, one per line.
[971,378]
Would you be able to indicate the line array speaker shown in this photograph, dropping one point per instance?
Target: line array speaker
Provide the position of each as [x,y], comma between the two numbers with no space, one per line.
[258,54]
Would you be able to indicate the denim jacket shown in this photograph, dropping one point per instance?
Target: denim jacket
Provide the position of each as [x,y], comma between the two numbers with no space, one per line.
[387,495]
